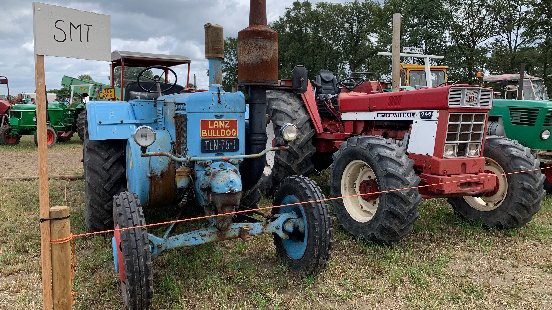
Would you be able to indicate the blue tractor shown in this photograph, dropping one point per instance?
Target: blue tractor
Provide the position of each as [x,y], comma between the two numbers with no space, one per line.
[167,145]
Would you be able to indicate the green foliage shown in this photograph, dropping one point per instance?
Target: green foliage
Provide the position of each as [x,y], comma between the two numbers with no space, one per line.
[85,77]
[473,35]
[131,74]
[230,64]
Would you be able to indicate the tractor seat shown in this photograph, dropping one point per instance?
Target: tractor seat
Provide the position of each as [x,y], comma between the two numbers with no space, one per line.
[327,83]
[133,91]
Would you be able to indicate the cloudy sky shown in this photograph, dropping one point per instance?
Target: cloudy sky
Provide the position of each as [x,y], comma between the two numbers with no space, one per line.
[162,26]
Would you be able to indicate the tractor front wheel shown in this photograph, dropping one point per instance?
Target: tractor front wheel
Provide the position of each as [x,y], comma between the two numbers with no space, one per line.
[51,136]
[377,185]
[307,250]
[131,252]
[519,191]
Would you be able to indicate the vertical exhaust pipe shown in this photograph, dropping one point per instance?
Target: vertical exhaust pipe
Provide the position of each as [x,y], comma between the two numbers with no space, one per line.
[214,52]
[257,72]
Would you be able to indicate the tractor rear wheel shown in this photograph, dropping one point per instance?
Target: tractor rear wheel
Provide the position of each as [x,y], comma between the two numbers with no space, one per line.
[368,164]
[285,107]
[131,252]
[307,248]
[51,136]
[517,196]
[5,136]
[105,177]
[81,124]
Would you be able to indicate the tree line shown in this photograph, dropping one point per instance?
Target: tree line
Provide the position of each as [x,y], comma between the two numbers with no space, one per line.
[494,36]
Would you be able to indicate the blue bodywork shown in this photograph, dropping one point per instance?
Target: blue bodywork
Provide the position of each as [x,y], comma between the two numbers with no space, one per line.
[153,178]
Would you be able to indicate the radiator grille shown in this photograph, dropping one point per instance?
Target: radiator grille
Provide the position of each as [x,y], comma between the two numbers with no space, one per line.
[464,128]
[548,118]
[524,116]
[470,97]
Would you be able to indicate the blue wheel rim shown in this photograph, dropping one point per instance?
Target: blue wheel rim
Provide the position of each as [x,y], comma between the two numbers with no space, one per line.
[115,256]
[295,247]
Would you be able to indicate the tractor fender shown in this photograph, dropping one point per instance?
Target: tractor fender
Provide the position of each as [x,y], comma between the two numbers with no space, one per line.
[151,178]
[111,120]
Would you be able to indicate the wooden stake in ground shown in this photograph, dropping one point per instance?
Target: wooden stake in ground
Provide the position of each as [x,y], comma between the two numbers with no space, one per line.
[396,53]
[61,258]
[43,191]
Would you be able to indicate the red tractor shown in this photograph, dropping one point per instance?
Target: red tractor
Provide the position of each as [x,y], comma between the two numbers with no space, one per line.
[4,115]
[418,144]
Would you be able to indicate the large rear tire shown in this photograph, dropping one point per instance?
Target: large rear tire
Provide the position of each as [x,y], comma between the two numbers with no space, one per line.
[517,197]
[105,177]
[369,164]
[81,124]
[51,136]
[5,137]
[131,249]
[283,108]
[307,249]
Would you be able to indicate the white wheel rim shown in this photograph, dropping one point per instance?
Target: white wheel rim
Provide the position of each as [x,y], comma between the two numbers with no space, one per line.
[490,203]
[358,207]
[270,155]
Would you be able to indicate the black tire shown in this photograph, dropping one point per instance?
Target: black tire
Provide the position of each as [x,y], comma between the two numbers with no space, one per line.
[5,139]
[51,132]
[283,108]
[81,124]
[524,191]
[396,211]
[4,132]
[318,224]
[105,176]
[137,286]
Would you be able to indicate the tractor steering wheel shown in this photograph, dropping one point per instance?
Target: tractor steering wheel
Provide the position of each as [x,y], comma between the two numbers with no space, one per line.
[350,83]
[157,79]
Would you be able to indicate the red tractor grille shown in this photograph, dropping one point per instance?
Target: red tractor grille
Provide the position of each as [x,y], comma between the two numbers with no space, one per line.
[464,129]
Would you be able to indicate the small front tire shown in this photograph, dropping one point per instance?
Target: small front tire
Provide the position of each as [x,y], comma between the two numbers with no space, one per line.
[132,256]
[308,251]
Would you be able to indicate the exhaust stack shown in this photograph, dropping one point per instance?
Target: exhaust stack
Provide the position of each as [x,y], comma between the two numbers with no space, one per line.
[214,52]
[257,71]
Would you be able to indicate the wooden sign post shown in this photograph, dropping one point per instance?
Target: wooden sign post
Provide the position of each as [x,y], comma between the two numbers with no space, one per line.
[64,32]
[396,52]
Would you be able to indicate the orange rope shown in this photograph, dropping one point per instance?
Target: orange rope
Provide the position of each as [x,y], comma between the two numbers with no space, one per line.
[74,236]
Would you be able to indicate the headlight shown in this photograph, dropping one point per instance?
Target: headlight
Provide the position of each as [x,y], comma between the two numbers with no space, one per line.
[289,132]
[545,134]
[144,136]
[473,150]
[450,150]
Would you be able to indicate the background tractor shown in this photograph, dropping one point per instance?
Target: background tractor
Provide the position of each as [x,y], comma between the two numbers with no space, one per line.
[5,106]
[434,138]
[522,111]
[170,146]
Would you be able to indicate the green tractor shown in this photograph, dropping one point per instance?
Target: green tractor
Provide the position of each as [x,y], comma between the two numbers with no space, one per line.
[523,111]
[62,120]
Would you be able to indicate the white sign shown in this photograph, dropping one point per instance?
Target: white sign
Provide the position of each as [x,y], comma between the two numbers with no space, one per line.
[413,50]
[65,32]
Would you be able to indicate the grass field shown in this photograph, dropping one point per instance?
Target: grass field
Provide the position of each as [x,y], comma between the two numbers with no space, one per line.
[444,263]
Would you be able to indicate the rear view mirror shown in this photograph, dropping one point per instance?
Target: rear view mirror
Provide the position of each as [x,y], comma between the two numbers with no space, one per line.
[3,80]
